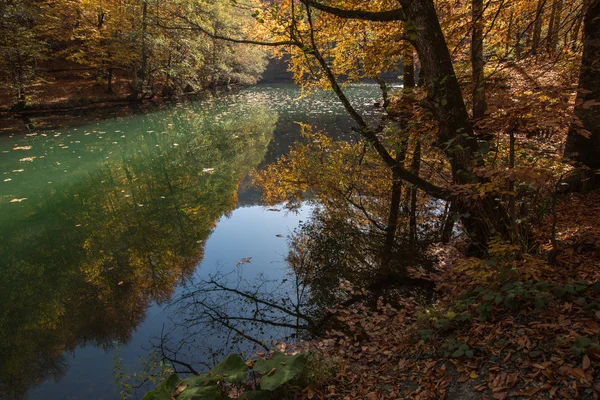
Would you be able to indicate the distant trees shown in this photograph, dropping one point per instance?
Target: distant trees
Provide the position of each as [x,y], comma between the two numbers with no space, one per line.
[146,41]
[20,50]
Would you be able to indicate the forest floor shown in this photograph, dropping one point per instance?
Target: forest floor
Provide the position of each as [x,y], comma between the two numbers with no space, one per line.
[64,83]
[529,338]
[510,326]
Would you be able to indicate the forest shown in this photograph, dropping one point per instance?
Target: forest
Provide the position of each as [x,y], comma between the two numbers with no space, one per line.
[451,251]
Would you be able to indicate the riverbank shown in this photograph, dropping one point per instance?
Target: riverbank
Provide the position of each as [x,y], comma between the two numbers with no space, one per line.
[481,338]
[68,94]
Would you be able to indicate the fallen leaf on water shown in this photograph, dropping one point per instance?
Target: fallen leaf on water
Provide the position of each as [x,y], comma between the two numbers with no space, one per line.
[245,260]
[18,200]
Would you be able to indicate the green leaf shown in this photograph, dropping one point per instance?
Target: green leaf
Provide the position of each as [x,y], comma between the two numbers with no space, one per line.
[444,102]
[559,291]
[457,353]
[540,302]
[280,367]
[200,380]
[201,393]
[469,353]
[425,334]
[149,396]
[255,395]
[164,389]
[232,369]
[442,324]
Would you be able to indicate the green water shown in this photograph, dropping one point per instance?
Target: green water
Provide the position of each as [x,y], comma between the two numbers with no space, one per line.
[99,224]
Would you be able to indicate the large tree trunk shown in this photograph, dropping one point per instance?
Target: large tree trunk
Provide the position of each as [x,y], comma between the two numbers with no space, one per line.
[455,135]
[477,64]
[583,140]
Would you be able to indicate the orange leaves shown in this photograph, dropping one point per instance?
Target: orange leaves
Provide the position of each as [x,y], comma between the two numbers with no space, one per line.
[585,363]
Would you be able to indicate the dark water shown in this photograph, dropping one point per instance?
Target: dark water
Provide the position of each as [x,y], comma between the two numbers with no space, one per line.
[101,225]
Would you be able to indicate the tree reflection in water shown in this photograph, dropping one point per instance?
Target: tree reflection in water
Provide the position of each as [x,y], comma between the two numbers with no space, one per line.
[83,258]
[345,244]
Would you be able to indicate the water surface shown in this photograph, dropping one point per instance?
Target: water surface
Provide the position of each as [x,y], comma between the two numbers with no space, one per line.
[101,224]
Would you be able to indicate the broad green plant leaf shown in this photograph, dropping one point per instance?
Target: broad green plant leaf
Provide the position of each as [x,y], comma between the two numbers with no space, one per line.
[164,389]
[201,393]
[233,369]
[279,369]
[255,395]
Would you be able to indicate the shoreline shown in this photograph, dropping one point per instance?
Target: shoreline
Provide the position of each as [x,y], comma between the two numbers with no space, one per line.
[50,116]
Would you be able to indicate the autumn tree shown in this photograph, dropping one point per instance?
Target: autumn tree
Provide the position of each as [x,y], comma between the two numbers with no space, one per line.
[20,49]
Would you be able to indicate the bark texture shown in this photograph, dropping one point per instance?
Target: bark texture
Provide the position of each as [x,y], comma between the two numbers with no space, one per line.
[583,140]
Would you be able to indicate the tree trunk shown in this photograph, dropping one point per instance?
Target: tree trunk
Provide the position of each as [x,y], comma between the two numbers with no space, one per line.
[577,27]
[554,26]
[384,92]
[138,82]
[477,63]
[508,35]
[415,168]
[537,27]
[144,66]
[408,67]
[392,225]
[455,136]
[110,79]
[449,223]
[583,140]
[518,46]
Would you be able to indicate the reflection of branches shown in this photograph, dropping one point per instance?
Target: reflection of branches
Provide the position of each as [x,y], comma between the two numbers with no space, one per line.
[294,313]
[244,313]
[173,359]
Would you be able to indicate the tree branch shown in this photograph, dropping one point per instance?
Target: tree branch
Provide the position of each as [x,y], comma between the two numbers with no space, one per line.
[378,16]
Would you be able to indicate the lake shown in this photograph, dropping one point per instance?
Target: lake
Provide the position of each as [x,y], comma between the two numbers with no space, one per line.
[104,226]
